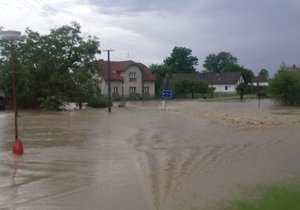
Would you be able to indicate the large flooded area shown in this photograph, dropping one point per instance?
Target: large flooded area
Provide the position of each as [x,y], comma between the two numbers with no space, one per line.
[188,155]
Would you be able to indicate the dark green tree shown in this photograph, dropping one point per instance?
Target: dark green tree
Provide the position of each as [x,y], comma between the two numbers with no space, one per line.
[282,67]
[248,75]
[162,74]
[217,63]
[186,86]
[264,73]
[56,67]
[241,89]
[181,60]
[285,87]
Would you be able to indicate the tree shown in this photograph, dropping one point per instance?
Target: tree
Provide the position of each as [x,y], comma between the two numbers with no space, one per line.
[283,67]
[187,86]
[55,67]
[248,75]
[285,87]
[264,73]
[161,73]
[217,63]
[181,60]
[241,89]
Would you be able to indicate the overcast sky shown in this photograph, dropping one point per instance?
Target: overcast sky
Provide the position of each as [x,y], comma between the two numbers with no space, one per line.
[259,33]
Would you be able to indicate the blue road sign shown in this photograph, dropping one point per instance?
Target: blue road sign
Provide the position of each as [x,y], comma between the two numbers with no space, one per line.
[167,94]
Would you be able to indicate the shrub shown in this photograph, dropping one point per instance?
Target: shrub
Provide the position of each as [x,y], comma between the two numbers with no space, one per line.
[98,102]
[134,96]
[285,88]
[53,103]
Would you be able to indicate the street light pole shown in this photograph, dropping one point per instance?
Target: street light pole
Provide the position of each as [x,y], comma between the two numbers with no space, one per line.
[12,36]
[13,71]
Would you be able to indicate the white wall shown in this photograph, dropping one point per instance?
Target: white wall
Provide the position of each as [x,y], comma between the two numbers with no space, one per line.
[260,84]
[222,88]
[128,83]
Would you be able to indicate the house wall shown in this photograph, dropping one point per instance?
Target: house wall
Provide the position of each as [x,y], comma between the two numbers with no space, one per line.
[137,83]
[222,88]
[227,88]
[260,84]
[129,82]
[104,87]
[151,86]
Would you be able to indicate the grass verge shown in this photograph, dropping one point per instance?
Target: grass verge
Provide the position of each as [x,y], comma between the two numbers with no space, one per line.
[276,197]
[232,97]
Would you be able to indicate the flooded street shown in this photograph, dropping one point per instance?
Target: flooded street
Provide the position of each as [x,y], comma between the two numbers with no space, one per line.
[192,155]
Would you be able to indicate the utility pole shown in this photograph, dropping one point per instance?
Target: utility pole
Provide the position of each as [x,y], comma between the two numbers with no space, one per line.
[108,78]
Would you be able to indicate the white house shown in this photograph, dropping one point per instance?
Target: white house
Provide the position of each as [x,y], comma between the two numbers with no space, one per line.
[127,78]
[225,82]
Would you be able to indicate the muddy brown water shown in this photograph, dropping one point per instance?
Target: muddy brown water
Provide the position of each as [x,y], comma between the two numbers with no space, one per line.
[190,155]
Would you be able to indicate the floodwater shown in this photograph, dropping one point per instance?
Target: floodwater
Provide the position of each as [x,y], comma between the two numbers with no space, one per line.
[190,155]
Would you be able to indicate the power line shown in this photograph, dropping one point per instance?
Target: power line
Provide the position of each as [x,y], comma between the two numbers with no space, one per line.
[37,11]
[51,10]
[43,13]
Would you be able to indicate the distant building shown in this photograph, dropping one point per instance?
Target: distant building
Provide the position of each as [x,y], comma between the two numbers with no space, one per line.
[293,68]
[261,81]
[225,82]
[127,78]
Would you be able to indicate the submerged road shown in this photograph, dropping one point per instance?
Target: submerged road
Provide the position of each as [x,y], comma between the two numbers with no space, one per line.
[142,157]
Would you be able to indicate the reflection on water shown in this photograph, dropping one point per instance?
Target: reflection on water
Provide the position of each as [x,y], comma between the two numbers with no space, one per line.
[186,157]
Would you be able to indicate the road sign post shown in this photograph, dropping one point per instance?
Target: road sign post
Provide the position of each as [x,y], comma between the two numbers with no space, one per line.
[166,94]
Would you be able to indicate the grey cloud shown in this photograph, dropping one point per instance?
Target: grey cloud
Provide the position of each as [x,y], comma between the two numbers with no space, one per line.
[261,34]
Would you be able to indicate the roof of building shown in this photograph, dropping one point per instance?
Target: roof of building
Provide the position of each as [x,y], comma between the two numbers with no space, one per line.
[260,79]
[212,78]
[292,68]
[117,67]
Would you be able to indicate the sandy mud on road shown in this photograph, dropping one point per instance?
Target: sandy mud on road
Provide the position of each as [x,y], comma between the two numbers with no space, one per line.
[190,155]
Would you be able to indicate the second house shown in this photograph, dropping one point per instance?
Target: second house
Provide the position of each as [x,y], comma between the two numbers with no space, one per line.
[127,79]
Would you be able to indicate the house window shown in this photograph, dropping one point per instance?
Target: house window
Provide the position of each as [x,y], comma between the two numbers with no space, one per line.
[132,90]
[226,87]
[115,89]
[132,76]
[146,89]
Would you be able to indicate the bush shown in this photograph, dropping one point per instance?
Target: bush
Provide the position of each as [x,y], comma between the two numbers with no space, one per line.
[98,102]
[134,96]
[285,88]
[53,103]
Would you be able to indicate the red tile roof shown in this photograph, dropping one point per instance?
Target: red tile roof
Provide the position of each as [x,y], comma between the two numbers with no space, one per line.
[117,67]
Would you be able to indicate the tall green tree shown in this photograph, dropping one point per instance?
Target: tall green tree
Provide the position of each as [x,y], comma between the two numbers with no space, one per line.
[217,62]
[189,86]
[264,72]
[226,62]
[57,66]
[181,60]
[248,74]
